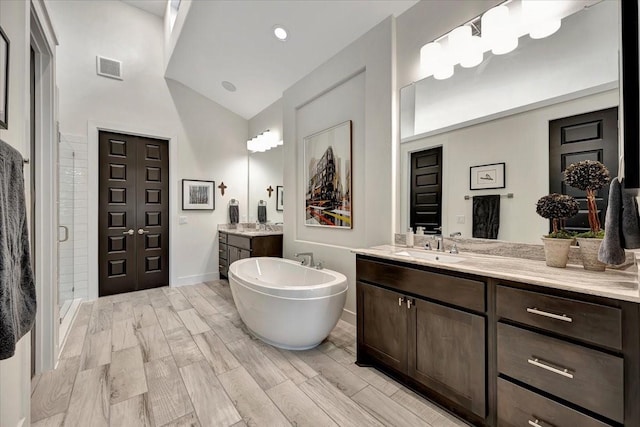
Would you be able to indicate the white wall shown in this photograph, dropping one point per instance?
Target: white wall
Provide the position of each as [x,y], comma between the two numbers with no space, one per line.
[15,372]
[266,169]
[356,84]
[209,140]
[522,142]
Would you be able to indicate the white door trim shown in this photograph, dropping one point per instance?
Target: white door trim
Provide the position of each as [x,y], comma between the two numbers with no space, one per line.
[43,40]
[93,131]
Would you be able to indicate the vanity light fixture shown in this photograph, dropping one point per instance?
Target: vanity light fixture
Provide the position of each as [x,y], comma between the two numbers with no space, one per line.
[280,33]
[543,17]
[263,142]
[497,30]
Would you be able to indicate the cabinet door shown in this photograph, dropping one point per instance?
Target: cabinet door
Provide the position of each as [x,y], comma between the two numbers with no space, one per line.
[449,353]
[234,254]
[382,326]
[243,253]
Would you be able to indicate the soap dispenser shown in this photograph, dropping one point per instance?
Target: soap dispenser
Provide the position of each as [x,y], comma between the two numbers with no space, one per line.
[409,238]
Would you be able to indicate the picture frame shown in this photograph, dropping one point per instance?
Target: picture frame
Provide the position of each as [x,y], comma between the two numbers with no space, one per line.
[485,177]
[4,80]
[198,195]
[327,177]
[279,198]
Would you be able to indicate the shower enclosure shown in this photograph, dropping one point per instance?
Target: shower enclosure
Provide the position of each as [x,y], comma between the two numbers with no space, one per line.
[66,210]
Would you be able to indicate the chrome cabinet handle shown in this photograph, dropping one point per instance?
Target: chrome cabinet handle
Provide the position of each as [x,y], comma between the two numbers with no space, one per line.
[563,317]
[563,371]
[66,234]
[130,232]
[537,422]
[400,301]
[141,231]
[409,303]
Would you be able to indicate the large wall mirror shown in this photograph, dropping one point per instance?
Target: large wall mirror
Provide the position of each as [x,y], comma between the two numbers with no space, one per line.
[505,110]
[266,171]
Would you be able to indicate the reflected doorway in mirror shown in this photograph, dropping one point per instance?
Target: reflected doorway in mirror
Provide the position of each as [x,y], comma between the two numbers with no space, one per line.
[279,198]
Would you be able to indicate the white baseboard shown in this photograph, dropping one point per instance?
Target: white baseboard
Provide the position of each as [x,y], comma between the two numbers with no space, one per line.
[195,279]
[348,316]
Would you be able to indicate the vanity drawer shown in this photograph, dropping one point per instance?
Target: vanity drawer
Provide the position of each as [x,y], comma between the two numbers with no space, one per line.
[594,323]
[239,241]
[222,252]
[519,407]
[589,378]
[222,237]
[454,290]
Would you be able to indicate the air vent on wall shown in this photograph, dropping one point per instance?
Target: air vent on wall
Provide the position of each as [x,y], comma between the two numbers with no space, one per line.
[109,67]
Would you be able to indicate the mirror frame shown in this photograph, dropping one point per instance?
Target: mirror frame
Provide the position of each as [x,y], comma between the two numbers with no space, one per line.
[630,92]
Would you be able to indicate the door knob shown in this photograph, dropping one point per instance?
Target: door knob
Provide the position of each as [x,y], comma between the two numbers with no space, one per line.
[141,231]
[130,232]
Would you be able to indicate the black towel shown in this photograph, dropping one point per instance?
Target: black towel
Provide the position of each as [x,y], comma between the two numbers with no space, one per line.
[262,214]
[234,214]
[621,226]
[17,288]
[486,216]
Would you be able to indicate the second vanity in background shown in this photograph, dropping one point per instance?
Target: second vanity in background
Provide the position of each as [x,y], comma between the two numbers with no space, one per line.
[504,342]
[234,245]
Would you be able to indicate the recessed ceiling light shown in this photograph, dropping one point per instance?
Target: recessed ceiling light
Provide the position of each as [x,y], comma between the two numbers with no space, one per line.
[280,32]
[229,86]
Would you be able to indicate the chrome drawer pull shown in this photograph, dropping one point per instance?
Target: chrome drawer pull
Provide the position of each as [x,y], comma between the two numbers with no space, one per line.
[537,422]
[564,372]
[400,301]
[564,317]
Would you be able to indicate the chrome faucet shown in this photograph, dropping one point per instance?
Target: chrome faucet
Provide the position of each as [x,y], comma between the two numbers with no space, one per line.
[305,254]
[439,240]
[454,248]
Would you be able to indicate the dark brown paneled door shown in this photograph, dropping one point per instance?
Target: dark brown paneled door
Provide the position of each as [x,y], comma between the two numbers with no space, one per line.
[426,190]
[134,213]
[591,136]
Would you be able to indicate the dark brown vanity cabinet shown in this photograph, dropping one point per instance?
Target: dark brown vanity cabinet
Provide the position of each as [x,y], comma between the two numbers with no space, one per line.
[403,327]
[500,353]
[234,247]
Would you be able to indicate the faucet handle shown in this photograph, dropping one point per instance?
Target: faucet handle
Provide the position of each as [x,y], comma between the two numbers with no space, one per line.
[454,249]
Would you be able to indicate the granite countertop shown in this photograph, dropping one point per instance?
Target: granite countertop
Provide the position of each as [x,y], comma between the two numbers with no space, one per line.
[616,284]
[252,232]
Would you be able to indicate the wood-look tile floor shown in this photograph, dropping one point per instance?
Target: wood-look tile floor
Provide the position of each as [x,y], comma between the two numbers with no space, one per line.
[183,357]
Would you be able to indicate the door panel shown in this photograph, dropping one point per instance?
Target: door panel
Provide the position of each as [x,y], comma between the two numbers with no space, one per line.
[591,136]
[383,315]
[449,353]
[426,189]
[133,227]
[152,213]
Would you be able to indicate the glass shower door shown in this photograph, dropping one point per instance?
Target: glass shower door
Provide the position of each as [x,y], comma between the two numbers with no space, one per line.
[66,209]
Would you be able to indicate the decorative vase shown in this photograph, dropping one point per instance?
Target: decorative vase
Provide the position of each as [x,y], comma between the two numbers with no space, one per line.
[589,252]
[556,251]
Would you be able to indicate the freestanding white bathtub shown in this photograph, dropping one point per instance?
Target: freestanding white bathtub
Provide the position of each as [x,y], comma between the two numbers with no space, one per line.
[286,304]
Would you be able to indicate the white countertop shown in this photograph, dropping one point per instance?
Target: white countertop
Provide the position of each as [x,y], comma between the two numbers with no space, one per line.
[616,284]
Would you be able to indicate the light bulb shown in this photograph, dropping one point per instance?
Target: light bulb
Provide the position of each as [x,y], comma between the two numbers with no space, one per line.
[498,30]
[473,55]
[542,17]
[430,56]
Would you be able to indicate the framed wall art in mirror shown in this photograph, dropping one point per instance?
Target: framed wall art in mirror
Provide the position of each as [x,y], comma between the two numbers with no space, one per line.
[485,177]
[279,198]
[4,79]
[198,195]
[327,166]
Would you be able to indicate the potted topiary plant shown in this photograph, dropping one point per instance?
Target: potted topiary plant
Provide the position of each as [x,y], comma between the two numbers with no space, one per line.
[557,208]
[589,176]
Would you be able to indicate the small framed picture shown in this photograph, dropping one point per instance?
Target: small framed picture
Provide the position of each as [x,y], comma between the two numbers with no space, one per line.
[279,196]
[198,195]
[4,80]
[486,177]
